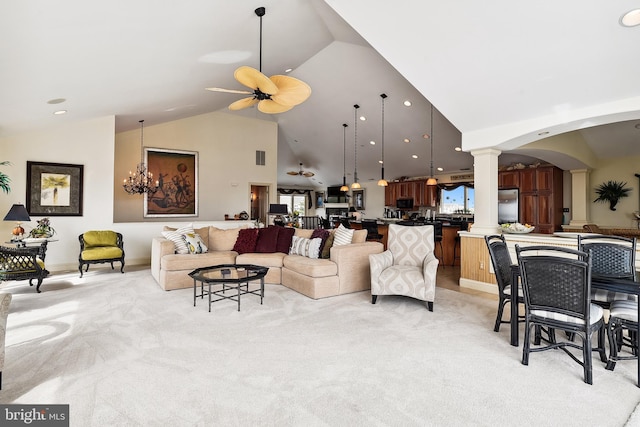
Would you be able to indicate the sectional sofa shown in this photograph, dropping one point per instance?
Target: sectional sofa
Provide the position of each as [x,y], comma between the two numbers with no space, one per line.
[346,270]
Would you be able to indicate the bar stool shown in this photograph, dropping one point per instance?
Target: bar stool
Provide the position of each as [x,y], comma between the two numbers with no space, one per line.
[464,226]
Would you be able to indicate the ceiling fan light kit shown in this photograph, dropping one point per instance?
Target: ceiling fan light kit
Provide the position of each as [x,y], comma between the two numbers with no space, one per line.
[300,172]
[273,95]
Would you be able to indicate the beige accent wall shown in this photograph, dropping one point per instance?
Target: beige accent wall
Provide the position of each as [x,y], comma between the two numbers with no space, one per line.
[618,169]
[226,146]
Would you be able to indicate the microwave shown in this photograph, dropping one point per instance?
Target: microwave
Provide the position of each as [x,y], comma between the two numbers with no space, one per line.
[404,204]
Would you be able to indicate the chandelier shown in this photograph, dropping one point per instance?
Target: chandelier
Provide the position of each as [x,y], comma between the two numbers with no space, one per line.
[140,181]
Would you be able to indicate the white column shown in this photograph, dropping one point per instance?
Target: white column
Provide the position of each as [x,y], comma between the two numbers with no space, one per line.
[579,197]
[485,164]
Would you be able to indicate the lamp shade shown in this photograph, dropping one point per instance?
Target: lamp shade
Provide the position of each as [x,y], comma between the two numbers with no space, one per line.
[275,209]
[17,213]
[352,209]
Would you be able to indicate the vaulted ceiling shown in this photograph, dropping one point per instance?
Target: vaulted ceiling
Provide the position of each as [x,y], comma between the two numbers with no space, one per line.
[501,73]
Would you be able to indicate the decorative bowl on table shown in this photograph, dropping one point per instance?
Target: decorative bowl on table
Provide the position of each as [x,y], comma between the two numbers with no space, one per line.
[517,228]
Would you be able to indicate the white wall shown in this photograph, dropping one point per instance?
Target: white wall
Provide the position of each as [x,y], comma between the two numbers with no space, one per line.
[92,144]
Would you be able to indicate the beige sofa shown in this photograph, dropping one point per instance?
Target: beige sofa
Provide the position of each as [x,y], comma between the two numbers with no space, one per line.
[346,271]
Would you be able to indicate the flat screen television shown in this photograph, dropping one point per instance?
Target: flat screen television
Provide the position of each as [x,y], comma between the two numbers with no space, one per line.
[404,204]
[334,195]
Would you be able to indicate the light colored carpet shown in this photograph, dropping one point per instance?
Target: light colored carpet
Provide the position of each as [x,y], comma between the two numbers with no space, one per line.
[122,352]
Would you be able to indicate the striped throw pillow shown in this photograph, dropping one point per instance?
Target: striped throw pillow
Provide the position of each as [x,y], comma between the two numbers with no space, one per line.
[309,248]
[176,237]
[342,236]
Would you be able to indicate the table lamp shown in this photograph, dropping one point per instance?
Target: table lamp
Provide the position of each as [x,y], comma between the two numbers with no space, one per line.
[17,213]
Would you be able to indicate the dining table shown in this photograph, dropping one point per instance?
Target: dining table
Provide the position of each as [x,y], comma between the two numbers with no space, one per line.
[606,283]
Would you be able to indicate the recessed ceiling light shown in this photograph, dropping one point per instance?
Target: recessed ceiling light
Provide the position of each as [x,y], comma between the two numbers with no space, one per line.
[288,70]
[59,112]
[440,169]
[56,101]
[415,156]
[426,136]
[458,149]
[407,140]
[372,142]
[637,126]
[363,118]
[407,103]
[631,18]
[380,161]
[543,133]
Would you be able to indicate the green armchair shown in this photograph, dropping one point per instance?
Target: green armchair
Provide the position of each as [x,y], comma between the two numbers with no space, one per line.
[103,246]
[23,264]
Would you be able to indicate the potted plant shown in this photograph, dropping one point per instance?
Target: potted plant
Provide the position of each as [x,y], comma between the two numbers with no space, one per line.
[611,192]
[43,229]
[5,180]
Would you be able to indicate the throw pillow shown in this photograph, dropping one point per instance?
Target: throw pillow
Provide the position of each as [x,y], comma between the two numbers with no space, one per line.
[223,240]
[180,246]
[246,242]
[267,240]
[194,243]
[343,236]
[321,233]
[326,251]
[309,248]
[285,236]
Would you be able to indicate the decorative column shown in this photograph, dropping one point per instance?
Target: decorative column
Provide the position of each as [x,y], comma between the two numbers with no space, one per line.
[485,218]
[579,197]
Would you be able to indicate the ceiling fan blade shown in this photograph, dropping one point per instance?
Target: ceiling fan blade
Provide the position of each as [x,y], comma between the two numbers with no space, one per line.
[243,103]
[291,91]
[308,174]
[219,89]
[254,79]
[293,173]
[268,106]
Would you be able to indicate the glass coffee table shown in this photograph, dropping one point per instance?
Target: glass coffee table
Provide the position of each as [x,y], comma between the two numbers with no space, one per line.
[234,278]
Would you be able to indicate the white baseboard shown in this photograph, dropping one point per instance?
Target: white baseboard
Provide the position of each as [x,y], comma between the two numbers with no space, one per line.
[479,286]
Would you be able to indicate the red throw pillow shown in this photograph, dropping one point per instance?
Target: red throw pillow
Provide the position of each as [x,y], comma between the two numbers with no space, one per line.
[285,235]
[321,233]
[246,241]
[267,240]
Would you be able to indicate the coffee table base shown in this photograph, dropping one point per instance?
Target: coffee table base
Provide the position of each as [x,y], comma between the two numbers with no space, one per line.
[216,295]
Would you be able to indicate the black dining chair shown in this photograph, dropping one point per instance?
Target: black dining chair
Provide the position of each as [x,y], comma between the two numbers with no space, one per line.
[437,238]
[464,226]
[501,262]
[556,283]
[623,314]
[372,230]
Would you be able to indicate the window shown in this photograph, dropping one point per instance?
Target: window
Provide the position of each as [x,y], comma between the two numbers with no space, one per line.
[459,200]
[295,203]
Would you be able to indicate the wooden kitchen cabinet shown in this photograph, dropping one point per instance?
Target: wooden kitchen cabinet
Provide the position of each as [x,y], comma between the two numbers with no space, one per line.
[509,179]
[541,198]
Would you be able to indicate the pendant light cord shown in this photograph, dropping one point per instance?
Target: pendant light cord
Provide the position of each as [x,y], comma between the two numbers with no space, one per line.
[344,154]
[141,141]
[355,145]
[431,140]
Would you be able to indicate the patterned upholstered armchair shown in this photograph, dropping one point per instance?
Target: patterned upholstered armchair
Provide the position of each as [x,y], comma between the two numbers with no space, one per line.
[5,300]
[408,267]
[103,246]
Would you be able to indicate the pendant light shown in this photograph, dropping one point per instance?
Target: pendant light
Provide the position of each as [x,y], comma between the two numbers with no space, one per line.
[356,184]
[383,182]
[344,187]
[432,180]
[141,181]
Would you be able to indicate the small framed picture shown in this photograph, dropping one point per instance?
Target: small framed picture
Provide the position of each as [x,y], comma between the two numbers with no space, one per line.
[358,199]
[54,189]
[319,199]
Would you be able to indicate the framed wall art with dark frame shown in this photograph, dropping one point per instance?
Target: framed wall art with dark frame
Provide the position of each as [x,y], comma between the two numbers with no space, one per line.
[176,175]
[358,199]
[54,189]
[319,199]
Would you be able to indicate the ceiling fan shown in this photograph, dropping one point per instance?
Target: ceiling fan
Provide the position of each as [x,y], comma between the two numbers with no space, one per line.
[301,173]
[275,94]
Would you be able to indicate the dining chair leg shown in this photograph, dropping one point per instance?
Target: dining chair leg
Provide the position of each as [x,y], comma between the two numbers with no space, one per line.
[526,345]
[501,305]
[587,361]
[600,349]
